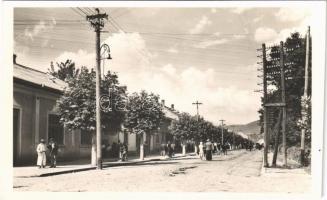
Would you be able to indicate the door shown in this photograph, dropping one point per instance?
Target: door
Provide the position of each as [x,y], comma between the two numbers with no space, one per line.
[16,133]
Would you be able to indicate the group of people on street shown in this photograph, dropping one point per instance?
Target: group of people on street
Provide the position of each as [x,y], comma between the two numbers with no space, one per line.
[167,149]
[207,149]
[42,149]
[115,150]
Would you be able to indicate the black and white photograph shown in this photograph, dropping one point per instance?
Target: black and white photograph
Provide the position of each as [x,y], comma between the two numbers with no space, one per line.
[166,97]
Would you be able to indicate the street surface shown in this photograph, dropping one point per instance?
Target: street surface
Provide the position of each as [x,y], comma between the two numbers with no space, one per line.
[239,171]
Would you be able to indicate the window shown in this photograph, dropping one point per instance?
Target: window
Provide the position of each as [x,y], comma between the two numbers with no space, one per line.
[86,137]
[55,129]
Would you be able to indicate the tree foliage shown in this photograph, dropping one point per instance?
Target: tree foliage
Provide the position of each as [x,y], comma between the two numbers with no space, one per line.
[188,127]
[65,70]
[144,113]
[294,58]
[77,104]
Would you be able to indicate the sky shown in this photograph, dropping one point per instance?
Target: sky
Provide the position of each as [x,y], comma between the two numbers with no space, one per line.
[182,54]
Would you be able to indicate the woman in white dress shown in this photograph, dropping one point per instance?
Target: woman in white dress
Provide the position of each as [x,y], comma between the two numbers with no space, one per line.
[201,153]
[41,154]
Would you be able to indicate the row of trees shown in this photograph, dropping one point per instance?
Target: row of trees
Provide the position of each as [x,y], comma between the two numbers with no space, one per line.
[197,129]
[139,113]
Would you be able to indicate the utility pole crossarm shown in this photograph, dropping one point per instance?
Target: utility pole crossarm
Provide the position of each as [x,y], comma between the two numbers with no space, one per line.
[197,103]
[97,20]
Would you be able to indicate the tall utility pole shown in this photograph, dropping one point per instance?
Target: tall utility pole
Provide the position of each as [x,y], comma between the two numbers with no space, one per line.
[197,103]
[265,114]
[305,95]
[222,131]
[97,22]
[282,76]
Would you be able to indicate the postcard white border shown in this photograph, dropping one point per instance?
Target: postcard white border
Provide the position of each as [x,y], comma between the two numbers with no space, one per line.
[319,42]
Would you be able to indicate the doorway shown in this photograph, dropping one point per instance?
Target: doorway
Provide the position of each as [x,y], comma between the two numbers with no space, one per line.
[16,135]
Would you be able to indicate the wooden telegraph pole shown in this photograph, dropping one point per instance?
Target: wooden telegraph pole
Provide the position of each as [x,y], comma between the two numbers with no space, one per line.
[282,76]
[305,95]
[97,22]
[265,114]
[197,103]
[222,131]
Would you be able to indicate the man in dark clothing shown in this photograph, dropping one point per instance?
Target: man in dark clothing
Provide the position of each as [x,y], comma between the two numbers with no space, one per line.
[163,150]
[124,152]
[53,148]
[208,146]
[170,150]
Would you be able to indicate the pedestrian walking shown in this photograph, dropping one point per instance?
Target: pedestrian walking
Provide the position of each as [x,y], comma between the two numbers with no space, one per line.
[124,152]
[208,150]
[173,149]
[163,150]
[220,148]
[201,153]
[41,155]
[215,148]
[224,148]
[170,150]
[53,152]
[121,150]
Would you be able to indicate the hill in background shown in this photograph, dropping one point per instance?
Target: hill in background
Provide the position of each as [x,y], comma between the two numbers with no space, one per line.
[251,129]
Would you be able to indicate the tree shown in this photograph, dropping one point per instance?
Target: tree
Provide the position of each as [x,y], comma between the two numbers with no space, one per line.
[77,104]
[294,87]
[65,70]
[185,128]
[144,115]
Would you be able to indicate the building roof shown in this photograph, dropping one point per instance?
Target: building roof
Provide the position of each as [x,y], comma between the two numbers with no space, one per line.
[48,81]
[37,77]
[170,113]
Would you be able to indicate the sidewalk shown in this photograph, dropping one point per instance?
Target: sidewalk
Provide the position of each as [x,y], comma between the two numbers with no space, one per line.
[81,165]
[292,170]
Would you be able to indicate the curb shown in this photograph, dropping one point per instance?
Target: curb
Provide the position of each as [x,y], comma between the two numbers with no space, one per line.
[104,165]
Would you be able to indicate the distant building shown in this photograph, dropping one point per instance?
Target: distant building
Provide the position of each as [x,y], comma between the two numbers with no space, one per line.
[35,116]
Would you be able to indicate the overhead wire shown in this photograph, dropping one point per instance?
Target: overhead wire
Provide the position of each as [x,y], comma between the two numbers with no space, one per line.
[170,36]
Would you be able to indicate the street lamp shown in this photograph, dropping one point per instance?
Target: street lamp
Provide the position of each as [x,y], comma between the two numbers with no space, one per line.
[105,55]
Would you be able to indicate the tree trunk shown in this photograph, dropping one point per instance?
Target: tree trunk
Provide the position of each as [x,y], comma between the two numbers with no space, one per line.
[141,147]
[141,152]
[277,136]
[94,150]
[195,148]
[183,148]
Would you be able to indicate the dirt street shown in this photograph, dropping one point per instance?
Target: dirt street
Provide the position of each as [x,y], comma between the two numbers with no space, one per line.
[239,171]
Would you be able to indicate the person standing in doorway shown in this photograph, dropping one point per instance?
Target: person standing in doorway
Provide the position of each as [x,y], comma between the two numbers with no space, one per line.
[41,155]
[53,148]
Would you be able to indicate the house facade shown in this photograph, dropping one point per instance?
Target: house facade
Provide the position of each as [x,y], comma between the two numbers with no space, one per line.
[36,117]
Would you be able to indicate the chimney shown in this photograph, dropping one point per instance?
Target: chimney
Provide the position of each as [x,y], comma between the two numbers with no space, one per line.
[162,102]
[172,106]
[14,59]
